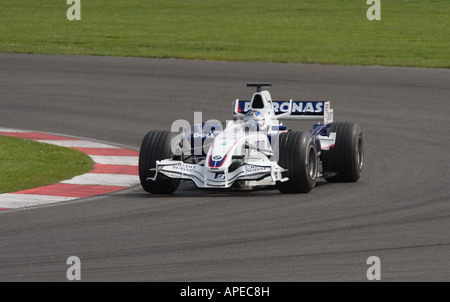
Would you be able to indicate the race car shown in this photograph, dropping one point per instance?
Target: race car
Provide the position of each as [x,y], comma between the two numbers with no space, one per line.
[255,149]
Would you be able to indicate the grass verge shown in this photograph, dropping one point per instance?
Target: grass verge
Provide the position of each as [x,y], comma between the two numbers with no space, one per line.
[25,164]
[410,32]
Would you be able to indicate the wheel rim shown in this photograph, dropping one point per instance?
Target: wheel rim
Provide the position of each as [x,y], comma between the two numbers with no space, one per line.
[360,153]
[312,163]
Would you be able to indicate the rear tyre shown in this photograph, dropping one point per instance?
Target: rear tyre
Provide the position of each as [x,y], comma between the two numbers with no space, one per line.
[156,145]
[346,159]
[297,154]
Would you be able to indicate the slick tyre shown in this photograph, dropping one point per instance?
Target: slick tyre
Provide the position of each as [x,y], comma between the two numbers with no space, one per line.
[346,159]
[298,154]
[156,145]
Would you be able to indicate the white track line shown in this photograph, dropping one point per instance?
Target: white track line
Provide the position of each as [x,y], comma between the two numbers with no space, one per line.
[116,160]
[104,179]
[14,201]
[76,144]
[12,130]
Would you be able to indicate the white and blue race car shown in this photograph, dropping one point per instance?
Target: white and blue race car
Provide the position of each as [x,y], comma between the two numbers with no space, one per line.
[255,149]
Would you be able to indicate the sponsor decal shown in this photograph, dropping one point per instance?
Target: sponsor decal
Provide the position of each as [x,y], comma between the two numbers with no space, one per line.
[253,168]
[172,175]
[183,167]
[219,175]
[217,157]
[298,107]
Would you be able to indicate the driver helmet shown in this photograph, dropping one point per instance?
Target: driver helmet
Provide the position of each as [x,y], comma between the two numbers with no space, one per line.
[254,120]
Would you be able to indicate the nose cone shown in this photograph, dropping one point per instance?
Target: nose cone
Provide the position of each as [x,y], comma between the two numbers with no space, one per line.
[217,162]
[220,153]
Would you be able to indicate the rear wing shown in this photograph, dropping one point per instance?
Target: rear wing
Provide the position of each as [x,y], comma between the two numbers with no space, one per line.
[291,110]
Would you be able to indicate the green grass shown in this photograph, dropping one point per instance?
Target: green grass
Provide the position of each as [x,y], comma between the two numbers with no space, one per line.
[410,33]
[25,164]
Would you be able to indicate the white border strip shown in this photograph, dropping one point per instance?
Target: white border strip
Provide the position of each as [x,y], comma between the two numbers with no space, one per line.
[104,179]
[116,160]
[76,143]
[14,201]
[12,130]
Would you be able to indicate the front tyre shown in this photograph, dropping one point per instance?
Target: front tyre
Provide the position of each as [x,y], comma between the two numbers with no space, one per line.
[156,145]
[298,154]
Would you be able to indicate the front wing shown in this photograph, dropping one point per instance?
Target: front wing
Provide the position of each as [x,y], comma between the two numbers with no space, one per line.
[255,173]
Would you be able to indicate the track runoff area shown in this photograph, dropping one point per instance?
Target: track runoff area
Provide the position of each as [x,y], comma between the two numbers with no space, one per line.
[115,169]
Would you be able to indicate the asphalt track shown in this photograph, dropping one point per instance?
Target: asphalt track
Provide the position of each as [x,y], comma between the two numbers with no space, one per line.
[399,211]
